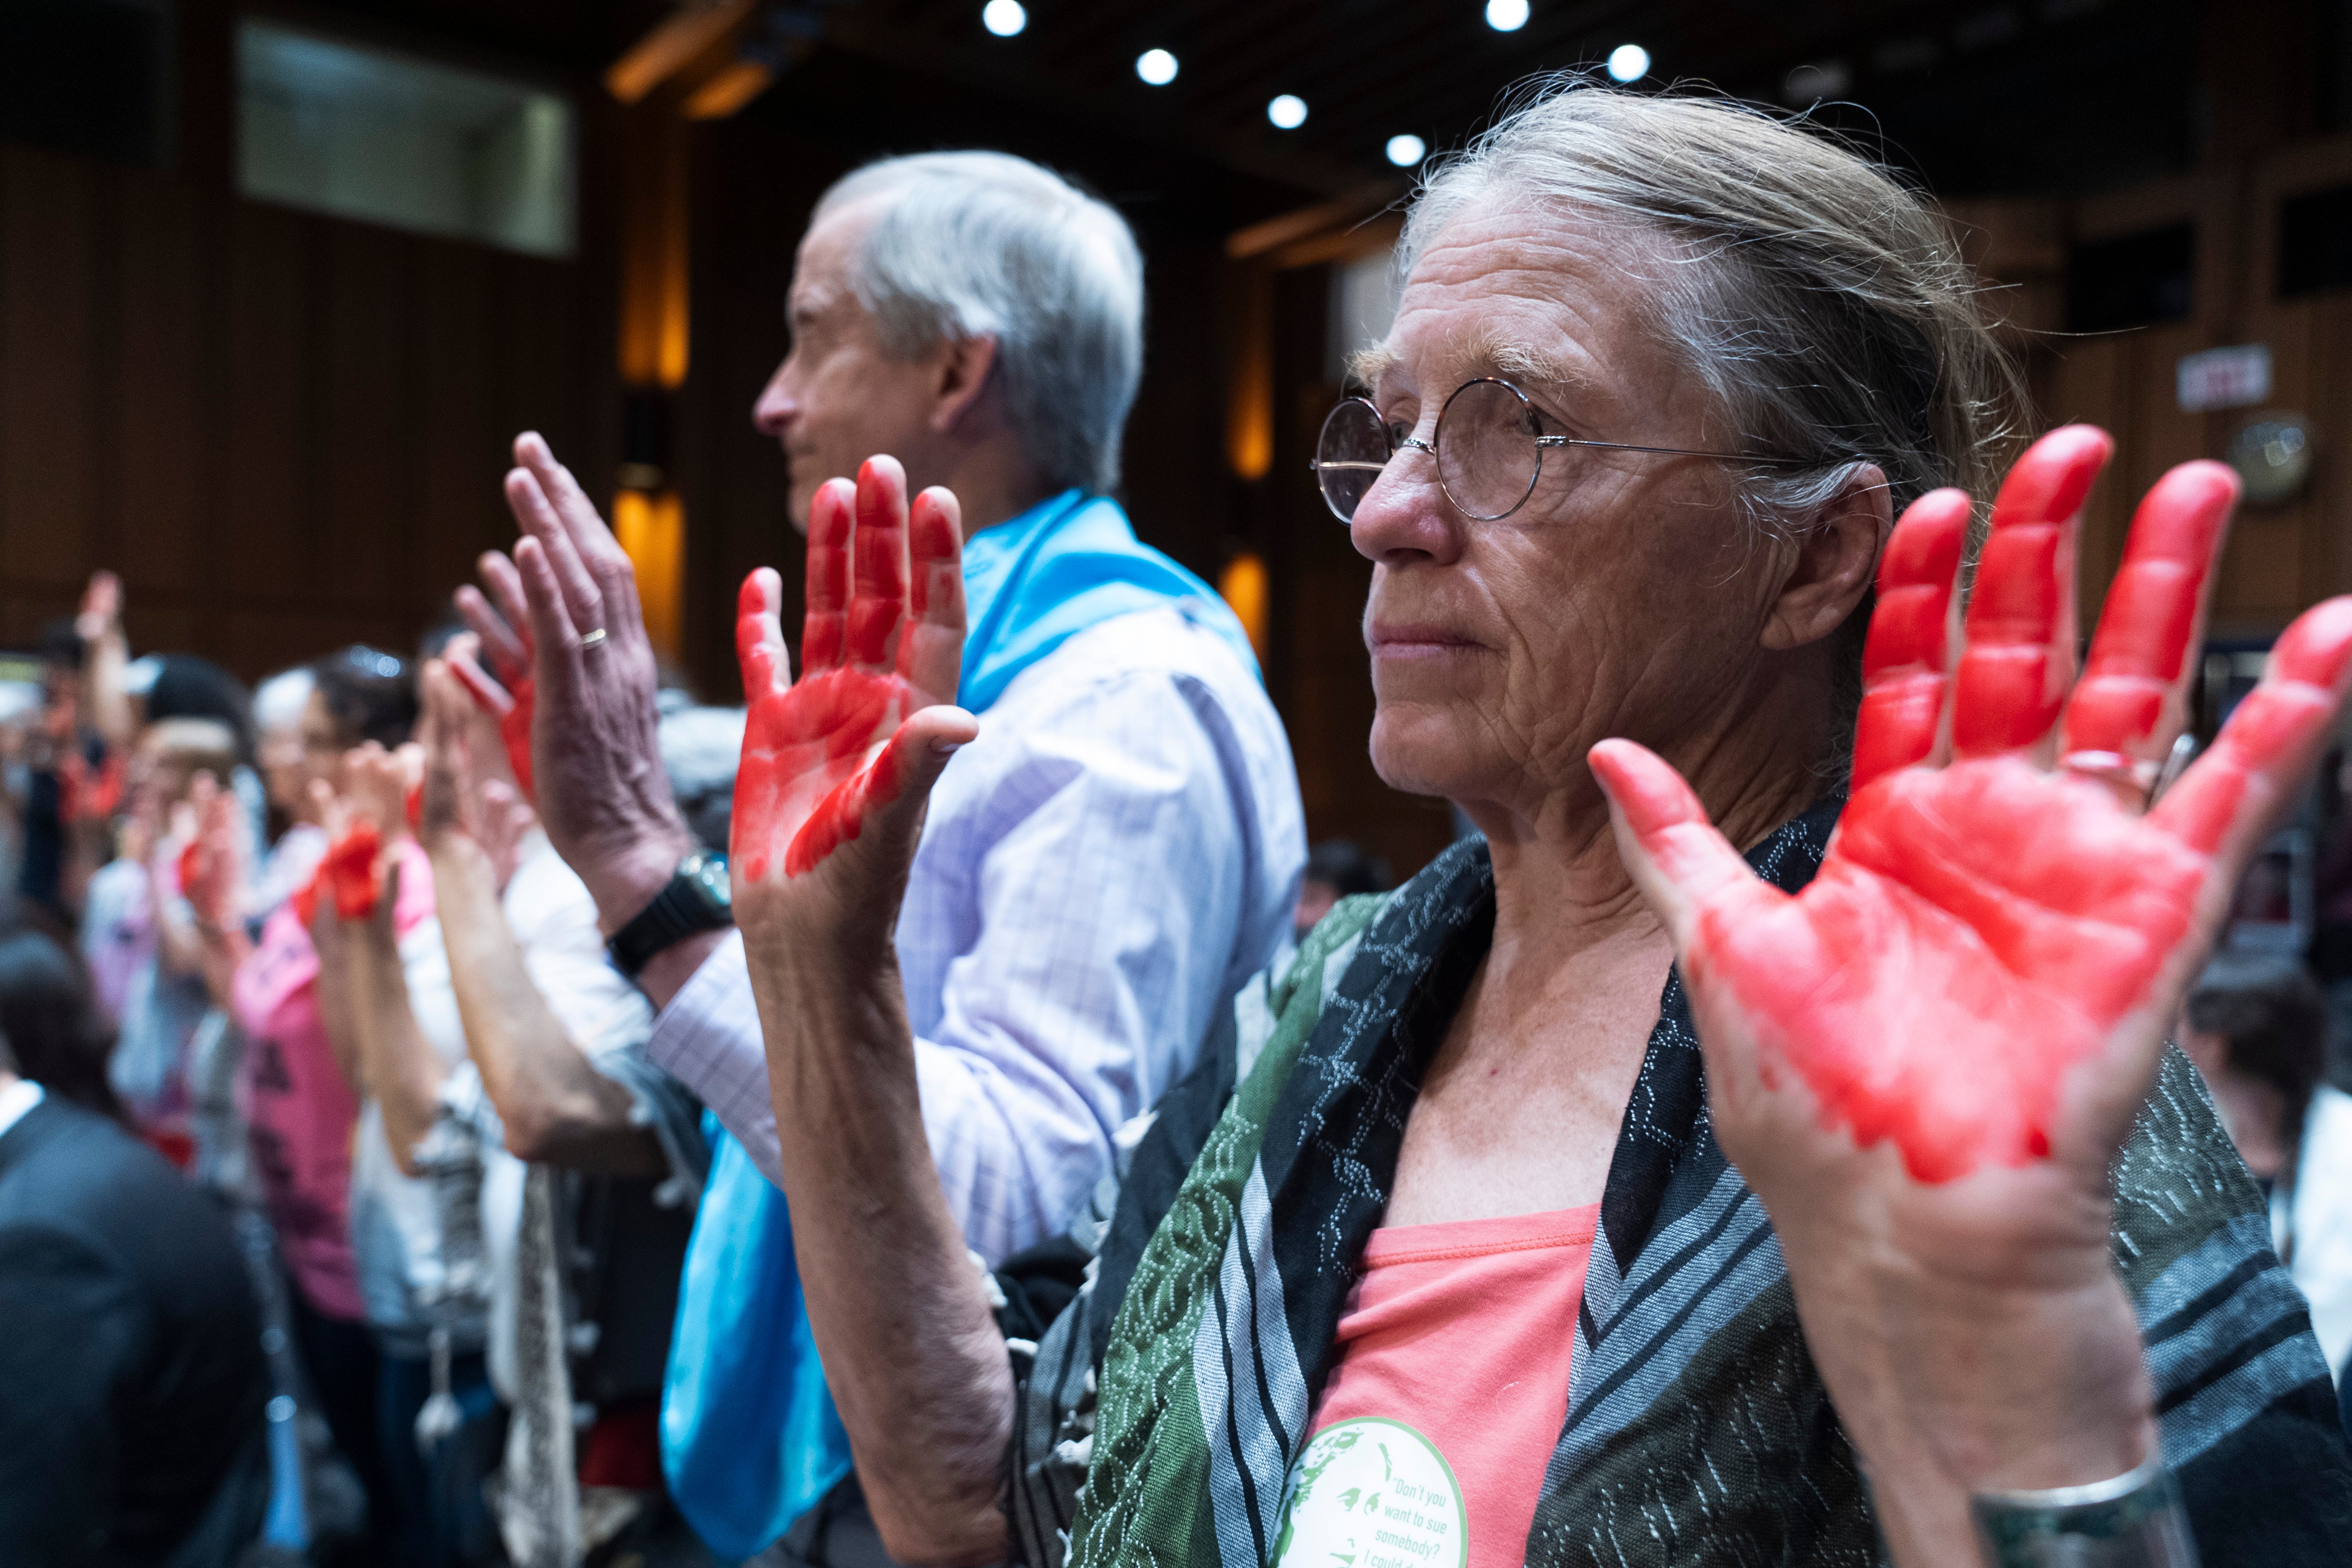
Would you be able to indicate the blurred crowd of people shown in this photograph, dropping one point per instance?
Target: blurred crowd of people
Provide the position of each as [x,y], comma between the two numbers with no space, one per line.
[309,946]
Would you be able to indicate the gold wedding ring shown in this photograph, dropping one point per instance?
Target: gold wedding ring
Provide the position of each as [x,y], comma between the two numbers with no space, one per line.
[592,639]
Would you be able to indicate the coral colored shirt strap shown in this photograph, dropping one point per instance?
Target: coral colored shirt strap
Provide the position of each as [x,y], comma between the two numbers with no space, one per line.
[1429,1444]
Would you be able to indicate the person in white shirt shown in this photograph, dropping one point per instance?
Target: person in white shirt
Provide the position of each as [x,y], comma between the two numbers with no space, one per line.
[1121,846]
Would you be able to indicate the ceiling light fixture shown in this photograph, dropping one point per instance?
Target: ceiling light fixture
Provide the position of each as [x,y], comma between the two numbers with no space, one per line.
[1156,67]
[1406,151]
[1288,112]
[1627,62]
[1506,16]
[1003,17]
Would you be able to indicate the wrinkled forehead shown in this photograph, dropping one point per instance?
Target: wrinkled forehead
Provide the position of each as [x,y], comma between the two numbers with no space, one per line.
[1566,300]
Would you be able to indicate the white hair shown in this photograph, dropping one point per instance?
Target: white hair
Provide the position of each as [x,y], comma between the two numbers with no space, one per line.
[977,245]
[278,702]
[1825,304]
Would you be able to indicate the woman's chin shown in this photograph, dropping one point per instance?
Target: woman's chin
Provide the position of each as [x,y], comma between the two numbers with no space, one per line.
[1440,750]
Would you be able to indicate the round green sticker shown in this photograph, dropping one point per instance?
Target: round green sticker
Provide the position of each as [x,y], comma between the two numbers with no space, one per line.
[1372,1493]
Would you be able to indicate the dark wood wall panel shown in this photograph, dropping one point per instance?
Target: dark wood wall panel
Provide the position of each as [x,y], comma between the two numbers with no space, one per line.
[266,424]
[162,514]
[285,431]
[48,445]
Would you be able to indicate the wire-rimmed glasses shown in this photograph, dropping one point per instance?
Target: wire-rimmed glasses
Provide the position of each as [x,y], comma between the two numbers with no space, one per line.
[1488,447]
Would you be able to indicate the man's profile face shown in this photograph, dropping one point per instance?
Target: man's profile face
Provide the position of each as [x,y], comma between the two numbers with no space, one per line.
[839,398]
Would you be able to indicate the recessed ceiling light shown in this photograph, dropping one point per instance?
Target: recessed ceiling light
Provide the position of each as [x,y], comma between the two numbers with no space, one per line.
[1003,17]
[1406,151]
[1506,16]
[1156,67]
[1627,62]
[1289,113]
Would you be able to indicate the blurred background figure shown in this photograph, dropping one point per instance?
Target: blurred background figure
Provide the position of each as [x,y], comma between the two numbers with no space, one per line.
[2255,1025]
[1336,869]
[131,1420]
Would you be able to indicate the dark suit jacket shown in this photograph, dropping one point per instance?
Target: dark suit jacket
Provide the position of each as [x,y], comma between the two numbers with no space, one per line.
[132,1376]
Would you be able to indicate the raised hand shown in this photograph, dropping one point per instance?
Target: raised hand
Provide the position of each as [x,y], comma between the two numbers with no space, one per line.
[859,738]
[101,612]
[507,697]
[461,797]
[213,861]
[568,603]
[1924,1061]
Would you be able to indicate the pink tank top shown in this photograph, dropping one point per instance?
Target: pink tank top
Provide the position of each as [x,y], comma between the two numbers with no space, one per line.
[1461,1336]
[299,1109]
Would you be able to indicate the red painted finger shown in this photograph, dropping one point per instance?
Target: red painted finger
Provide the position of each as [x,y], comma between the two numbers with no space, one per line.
[759,635]
[2272,738]
[931,654]
[505,588]
[2014,671]
[2129,704]
[1906,664]
[1680,860]
[502,645]
[823,634]
[487,694]
[878,603]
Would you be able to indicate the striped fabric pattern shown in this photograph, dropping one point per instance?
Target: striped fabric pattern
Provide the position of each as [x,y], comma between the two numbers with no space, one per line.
[1161,1414]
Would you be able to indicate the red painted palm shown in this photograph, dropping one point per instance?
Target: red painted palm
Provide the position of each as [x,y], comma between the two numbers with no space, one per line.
[1982,973]
[883,641]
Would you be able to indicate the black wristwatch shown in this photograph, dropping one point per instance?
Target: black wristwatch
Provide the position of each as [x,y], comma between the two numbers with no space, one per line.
[696,900]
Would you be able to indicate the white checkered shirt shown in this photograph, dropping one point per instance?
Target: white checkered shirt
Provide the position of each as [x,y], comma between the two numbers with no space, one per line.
[1100,873]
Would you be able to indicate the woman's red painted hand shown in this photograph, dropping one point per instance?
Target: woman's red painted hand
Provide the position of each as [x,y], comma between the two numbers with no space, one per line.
[858,738]
[1924,1062]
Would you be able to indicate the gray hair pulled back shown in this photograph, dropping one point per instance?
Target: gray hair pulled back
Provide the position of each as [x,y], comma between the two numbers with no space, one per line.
[986,245]
[1824,303]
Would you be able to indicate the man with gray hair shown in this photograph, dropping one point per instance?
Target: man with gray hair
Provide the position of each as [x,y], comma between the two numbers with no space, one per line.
[1098,872]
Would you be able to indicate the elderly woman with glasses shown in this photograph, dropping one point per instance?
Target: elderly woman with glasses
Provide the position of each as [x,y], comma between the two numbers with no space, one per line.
[1762,1146]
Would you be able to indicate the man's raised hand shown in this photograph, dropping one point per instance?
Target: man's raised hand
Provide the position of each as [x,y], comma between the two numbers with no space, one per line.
[849,751]
[567,602]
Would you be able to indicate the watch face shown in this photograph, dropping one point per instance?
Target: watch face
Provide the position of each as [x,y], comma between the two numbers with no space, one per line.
[709,877]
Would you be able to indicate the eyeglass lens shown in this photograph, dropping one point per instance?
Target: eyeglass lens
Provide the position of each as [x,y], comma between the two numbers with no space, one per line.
[1487,459]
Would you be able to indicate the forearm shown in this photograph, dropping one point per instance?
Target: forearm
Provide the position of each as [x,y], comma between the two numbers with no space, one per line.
[109,704]
[1982,1390]
[554,1106]
[398,1066]
[912,1353]
[225,949]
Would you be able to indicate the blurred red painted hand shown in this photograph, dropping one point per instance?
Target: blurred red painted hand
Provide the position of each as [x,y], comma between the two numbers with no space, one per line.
[1984,922]
[213,861]
[867,726]
[506,697]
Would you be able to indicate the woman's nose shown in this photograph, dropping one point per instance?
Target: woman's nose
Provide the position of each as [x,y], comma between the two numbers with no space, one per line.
[1405,513]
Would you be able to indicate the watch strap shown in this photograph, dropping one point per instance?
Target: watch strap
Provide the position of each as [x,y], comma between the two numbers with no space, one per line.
[679,910]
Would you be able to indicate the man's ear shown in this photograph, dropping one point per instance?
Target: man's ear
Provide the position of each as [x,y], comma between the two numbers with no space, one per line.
[961,375]
[1831,567]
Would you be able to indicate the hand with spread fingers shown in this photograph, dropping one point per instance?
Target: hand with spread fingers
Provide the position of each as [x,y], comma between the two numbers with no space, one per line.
[837,764]
[463,794]
[1924,1061]
[567,610]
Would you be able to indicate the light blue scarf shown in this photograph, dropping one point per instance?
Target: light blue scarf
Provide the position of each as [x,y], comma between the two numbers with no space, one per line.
[749,1438]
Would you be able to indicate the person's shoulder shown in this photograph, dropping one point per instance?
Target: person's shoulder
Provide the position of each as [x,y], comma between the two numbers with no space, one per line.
[78,1169]
[1158,648]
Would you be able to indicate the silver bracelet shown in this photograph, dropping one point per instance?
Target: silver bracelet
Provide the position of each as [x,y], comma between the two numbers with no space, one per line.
[2133,1521]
